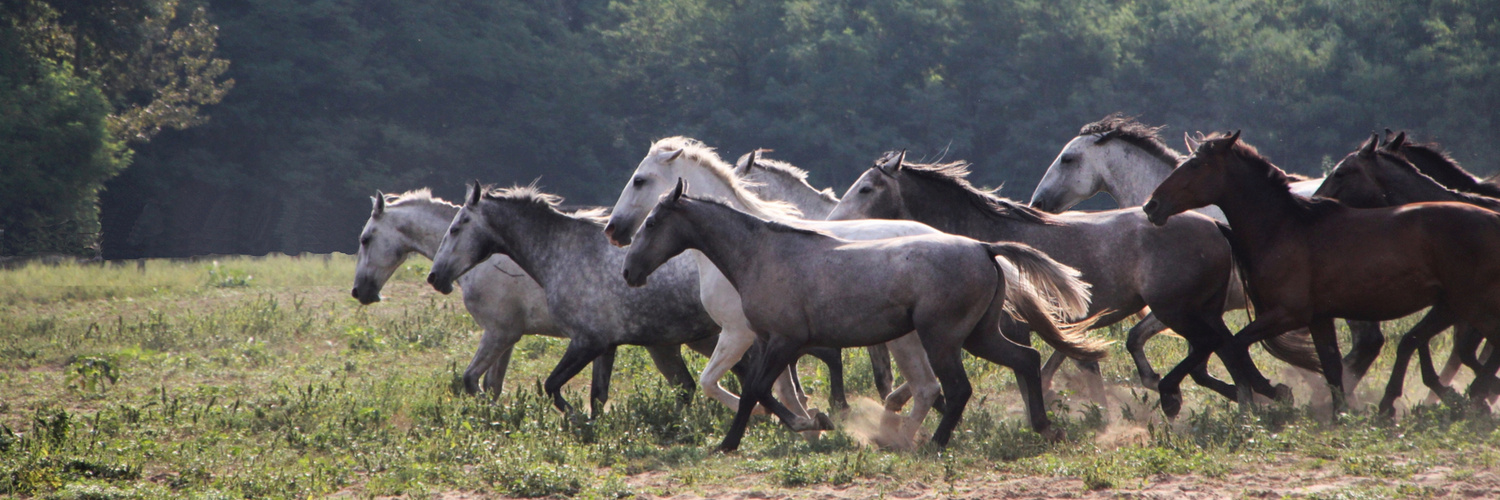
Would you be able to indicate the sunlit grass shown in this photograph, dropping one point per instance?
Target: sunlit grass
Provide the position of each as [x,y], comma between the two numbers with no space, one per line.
[275,383]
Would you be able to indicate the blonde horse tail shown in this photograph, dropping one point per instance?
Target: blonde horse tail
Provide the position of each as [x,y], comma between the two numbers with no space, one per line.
[1048,296]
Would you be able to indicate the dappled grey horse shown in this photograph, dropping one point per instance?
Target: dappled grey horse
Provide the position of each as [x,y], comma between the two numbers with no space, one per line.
[1127,159]
[1181,271]
[579,272]
[804,287]
[501,297]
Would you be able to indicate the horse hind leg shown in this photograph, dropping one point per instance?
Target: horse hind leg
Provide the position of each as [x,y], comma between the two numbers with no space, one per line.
[668,361]
[1024,361]
[1437,319]
[834,359]
[578,355]
[1135,344]
[921,387]
[880,368]
[604,367]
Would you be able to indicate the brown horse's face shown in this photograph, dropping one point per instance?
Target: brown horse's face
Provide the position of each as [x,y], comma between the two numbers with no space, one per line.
[1200,181]
[1352,184]
[876,195]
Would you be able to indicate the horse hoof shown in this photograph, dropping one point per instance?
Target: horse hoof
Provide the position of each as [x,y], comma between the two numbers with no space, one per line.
[1284,393]
[1171,405]
[725,450]
[824,422]
[1387,409]
[1152,382]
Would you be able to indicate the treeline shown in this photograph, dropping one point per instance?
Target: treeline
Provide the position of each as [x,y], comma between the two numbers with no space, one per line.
[334,100]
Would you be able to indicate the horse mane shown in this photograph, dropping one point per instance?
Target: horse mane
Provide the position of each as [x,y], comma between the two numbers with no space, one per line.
[956,175]
[1277,177]
[1437,157]
[772,224]
[415,196]
[1458,195]
[1128,129]
[783,169]
[533,196]
[705,157]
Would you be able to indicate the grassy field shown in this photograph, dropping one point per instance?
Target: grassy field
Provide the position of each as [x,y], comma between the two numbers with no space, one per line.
[261,378]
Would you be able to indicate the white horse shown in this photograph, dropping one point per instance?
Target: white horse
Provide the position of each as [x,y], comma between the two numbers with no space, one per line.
[501,297]
[677,158]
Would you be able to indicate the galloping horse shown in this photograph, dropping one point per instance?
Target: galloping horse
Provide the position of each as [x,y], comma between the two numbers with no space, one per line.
[801,287]
[1125,158]
[577,268]
[1309,261]
[1181,271]
[1380,177]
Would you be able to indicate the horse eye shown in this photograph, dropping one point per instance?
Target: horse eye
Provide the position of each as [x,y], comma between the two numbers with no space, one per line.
[865,190]
[651,222]
[365,240]
[639,181]
[1068,159]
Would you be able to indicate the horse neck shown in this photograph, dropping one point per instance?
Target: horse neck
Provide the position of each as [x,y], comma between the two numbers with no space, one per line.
[812,203]
[546,244]
[424,224]
[1258,208]
[1131,175]
[728,238]
[948,209]
[1440,170]
[1408,186]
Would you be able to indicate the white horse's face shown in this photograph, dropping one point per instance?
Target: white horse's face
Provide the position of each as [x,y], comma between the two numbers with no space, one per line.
[656,174]
[382,249]
[468,242]
[1076,174]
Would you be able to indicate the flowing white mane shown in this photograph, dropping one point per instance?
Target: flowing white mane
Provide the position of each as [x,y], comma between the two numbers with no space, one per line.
[704,157]
[414,196]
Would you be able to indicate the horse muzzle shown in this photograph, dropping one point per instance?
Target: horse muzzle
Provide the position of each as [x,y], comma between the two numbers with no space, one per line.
[443,286]
[634,279]
[611,231]
[1154,212]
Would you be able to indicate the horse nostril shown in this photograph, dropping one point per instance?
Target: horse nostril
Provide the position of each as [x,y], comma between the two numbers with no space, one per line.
[431,279]
[354,292]
[609,229]
[625,274]
[1150,206]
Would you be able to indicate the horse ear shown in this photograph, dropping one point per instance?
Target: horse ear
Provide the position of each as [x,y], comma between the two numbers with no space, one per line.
[678,191]
[1233,139]
[1192,144]
[749,162]
[474,192]
[674,155]
[1368,148]
[1396,142]
[893,165]
[379,200]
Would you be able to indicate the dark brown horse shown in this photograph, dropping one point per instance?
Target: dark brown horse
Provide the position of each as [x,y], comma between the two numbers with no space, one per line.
[1383,177]
[1310,261]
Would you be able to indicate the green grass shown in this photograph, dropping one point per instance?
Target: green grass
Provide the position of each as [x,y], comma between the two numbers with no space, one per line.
[261,378]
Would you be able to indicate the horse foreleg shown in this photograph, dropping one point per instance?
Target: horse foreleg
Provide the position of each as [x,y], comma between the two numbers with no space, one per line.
[1364,348]
[880,368]
[1437,319]
[1024,361]
[494,345]
[578,355]
[777,355]
[604,366]
[921,385]
[729,350]
[834,359]
[1049,370]
[1326,341]
[1450,367]
[668,361]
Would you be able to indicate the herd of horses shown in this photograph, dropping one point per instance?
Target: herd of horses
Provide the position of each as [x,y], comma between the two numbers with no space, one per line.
[917,265]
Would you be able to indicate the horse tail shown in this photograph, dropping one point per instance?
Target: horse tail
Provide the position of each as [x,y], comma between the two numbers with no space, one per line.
[1295,348]
[1047,295]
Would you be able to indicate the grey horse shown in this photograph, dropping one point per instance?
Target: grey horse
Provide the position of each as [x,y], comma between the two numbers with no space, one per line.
[779,180]
[579,270]
[1181,271]
[803,287]
[1127,159]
